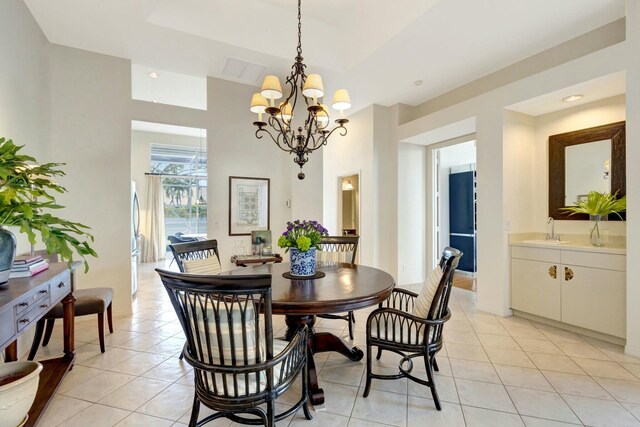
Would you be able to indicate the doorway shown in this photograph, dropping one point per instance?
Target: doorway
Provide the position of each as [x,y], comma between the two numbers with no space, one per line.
[349,212]
[454,202]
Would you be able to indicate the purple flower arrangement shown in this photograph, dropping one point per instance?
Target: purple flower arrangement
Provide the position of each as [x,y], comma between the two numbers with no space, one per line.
[302,235]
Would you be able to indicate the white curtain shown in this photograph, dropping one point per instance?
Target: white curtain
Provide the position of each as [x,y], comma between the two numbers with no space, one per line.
[155,242]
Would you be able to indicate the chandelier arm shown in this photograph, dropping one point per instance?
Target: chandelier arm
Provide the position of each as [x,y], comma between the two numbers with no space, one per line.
[277,126]
[343,132]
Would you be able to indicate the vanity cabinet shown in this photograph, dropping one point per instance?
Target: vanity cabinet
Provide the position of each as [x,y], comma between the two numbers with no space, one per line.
[580,288]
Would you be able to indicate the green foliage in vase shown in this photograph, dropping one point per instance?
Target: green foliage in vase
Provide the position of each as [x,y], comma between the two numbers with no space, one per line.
[26,201]
[601,204]
[302,235]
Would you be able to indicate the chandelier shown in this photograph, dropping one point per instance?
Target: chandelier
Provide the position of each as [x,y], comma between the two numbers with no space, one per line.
[314,132]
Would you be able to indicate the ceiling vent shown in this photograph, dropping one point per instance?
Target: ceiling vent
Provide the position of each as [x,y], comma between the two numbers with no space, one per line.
[243,70]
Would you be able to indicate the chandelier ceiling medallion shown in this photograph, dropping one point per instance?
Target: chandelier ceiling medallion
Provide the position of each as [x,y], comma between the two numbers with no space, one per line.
[315,132]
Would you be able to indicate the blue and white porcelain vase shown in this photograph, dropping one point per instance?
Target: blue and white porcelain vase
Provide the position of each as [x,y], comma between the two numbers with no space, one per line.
[303,263]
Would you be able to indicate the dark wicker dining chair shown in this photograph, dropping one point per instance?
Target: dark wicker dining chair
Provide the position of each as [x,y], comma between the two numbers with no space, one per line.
[339,249]
[411,325]
[197,257]
[237,364]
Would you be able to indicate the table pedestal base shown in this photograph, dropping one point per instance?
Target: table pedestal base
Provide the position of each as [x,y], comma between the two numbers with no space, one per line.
[319,342]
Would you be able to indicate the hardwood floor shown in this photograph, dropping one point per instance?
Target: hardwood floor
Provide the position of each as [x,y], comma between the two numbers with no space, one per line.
[464,281]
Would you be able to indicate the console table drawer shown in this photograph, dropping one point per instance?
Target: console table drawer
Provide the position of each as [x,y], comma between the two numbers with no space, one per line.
[60,285]
[31,299]
[41,306]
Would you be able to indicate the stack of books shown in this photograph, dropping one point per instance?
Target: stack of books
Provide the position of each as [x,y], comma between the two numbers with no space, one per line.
[27,266]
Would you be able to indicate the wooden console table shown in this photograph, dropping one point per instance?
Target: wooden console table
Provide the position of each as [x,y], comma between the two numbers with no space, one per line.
[246,260]
[25,301]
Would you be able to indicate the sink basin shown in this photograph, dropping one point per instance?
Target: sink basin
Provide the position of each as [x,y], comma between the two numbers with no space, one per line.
[546,242]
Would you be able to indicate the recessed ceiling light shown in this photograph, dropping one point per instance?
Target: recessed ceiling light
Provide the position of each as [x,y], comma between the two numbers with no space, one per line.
[417,82]
[153,75]
[155,102]
[572,98]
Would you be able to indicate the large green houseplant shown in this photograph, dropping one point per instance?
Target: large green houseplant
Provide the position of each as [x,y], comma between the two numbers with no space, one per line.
[26,202]
[598,206]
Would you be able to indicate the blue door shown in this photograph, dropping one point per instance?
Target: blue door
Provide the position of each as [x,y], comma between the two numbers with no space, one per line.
[462,221]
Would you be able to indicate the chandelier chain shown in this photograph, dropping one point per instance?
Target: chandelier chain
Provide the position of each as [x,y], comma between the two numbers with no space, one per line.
[299,27]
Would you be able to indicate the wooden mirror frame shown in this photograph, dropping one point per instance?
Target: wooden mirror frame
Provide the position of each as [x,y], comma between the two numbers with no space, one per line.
[557,144]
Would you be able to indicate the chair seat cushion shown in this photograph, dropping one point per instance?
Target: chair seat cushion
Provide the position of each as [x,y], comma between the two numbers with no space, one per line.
[88,301]
[422,304]
[205,266]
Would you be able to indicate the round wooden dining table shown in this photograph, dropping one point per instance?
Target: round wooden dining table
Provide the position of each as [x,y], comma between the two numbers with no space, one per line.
[344,287]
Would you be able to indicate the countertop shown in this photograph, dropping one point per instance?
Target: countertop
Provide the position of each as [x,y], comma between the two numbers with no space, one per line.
[574,242]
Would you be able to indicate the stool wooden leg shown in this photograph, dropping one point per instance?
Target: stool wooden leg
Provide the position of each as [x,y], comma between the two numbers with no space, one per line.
[36,339]
[48,332]
[101,330]
[110,318]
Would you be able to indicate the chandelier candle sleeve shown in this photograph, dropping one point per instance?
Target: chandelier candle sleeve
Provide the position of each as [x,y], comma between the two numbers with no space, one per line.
[313,131]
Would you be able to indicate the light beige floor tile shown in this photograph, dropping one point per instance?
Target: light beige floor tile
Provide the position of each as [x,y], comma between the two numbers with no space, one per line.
[542,404]
[604,369]
[143,342]
[76,376]
[552,362]
[517,376]
[460,337]
[86,351]
[422,413]
[621,390]
[355,422]
[472,370]
[445,387]
[140,363]
[61,408]
[110,358]
[320,419]
[600,413]
[633,408]
[134,394]
[560,335]
[467,352]
[540,422]
[386,408]
[139,420]
[631,367]
[498,342]
[99,386]
[583,349]
[339,398]
[484,395]
[171,403]
[579,385]
[532,345]
[171,369]
[169,346]
[342,372]
[496,329]
[478,417]
[97,416]
[509,357]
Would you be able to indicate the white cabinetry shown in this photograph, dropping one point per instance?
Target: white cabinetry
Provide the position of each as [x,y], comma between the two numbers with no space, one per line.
[581,288]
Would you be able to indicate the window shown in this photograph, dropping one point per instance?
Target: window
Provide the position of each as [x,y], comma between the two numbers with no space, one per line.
[184,181]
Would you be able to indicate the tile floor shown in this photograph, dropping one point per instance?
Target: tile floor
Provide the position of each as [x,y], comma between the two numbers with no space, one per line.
[493,372]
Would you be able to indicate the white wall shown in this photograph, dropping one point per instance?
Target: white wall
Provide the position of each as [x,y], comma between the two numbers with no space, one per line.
[347,155]
[91,131]
[412,216]
[633,177]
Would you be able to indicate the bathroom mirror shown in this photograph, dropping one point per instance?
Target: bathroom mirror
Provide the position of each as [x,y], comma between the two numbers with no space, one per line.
[585,160]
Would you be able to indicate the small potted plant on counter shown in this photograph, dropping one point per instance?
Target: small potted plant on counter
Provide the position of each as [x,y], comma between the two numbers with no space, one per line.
[598,206]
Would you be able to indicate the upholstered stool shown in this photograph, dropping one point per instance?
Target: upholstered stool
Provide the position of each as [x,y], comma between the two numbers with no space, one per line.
[88,301]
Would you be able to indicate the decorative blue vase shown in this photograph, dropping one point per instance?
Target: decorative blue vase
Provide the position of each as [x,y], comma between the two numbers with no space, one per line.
[303,263]
[7,253]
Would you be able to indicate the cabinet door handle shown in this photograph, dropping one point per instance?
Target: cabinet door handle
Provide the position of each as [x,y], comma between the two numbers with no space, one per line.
[44,305]
[24,304]
[568,274]
[553,271]
[44,291]
[24,320]
[61,285]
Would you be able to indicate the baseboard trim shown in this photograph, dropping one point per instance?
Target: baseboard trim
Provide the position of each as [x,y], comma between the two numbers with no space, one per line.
[495,311]
[577,329]
[635,352]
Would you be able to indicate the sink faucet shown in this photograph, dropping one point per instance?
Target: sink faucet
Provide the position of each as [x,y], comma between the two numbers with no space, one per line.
[553,235]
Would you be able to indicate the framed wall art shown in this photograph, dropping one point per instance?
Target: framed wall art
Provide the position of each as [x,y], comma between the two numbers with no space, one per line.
[248,205]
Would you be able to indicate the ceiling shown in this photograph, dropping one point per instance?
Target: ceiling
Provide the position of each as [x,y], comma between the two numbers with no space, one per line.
[372,47]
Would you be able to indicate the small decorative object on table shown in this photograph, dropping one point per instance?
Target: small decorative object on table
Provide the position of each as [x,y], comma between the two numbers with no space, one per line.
[302,238]
[598,206]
